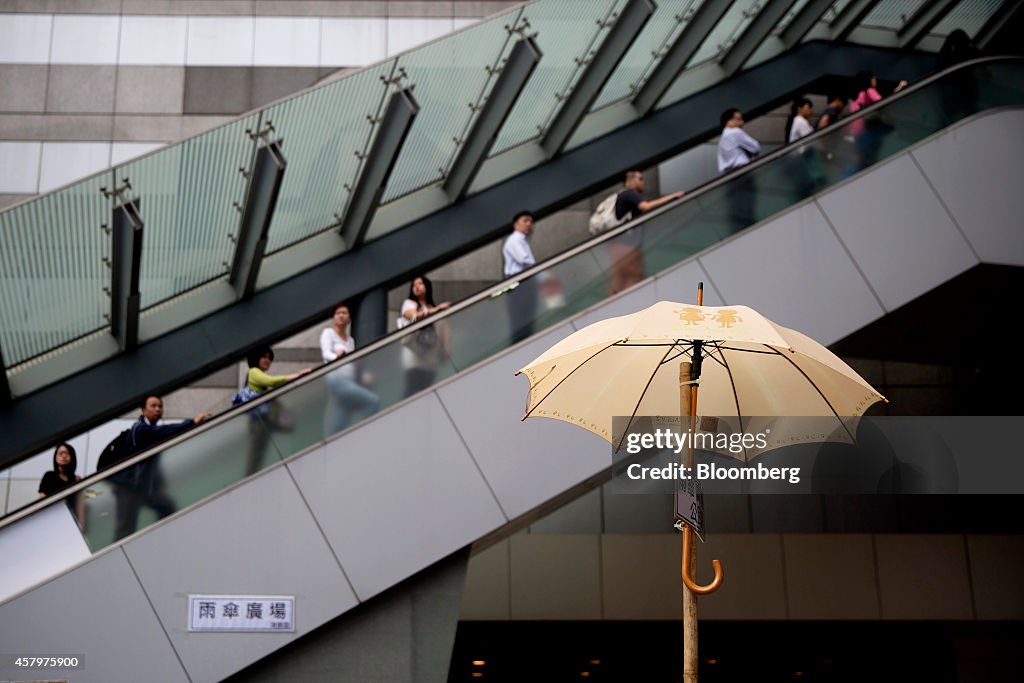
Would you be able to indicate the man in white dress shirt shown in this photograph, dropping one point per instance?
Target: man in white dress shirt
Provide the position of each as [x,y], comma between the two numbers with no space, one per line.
[518,256]
[736,149]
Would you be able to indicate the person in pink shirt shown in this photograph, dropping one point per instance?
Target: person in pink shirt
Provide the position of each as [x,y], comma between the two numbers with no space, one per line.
[867,91]
[869,130]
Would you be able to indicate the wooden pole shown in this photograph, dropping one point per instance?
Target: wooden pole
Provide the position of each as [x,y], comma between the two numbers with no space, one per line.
[688,406]
[690,658]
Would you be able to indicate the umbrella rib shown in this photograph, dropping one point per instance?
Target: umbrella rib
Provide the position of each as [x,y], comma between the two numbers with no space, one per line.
[820,393]
[682,351]
[626,342]
[642,394]
[766,353]
[712,356]
[735,396]
[596,353]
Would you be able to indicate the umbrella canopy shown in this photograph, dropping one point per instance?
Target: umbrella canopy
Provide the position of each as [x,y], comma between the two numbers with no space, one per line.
[629,366]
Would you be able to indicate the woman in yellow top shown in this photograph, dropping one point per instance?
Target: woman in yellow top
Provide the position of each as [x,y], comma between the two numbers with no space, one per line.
[258,381]
[259,360]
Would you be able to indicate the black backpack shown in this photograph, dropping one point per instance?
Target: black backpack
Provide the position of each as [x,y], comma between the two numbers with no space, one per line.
[117,450]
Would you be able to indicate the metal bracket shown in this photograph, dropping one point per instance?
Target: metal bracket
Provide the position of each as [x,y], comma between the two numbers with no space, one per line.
[118,192]
[397,80]
[524,24]
[261,134]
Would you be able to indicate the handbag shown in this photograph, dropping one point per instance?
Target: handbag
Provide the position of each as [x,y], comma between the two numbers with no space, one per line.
[426,338]
[422,341]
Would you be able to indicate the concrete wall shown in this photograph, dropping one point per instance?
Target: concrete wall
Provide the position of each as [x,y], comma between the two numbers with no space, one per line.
[855,576]
[86,85]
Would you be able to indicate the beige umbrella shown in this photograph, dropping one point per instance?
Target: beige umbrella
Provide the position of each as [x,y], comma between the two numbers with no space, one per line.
[650,363]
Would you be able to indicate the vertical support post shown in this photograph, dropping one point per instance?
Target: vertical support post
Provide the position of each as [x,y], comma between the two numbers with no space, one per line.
[514,74]
[628,26]
[850,18]
[923,21]
[380,161]
[126,259]
[369,316]
[679,55]
[5,388]
[260,202]
[803,22]
[758,29]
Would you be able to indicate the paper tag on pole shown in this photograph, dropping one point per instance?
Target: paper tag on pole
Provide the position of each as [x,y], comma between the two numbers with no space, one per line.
[690,505]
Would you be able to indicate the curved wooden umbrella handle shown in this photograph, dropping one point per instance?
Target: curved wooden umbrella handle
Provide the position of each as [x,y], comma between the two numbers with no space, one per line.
[690,582]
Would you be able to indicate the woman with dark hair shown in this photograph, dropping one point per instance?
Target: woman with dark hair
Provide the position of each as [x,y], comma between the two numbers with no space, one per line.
[266,416]
[805,159]
[867,90]
[798,124]
[62,476]
[259,360]
[869,130]
[65,462]
[346,387]
[425,348]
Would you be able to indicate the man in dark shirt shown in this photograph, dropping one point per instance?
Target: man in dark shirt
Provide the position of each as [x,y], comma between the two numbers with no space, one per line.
[143,484]
[836,104]
[627,258]
[631,200]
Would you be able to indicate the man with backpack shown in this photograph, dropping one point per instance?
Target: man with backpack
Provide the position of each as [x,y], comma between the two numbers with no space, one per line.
[627,258]
[143,483]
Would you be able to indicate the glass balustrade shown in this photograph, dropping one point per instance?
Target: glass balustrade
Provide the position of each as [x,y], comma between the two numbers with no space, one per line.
[192,192]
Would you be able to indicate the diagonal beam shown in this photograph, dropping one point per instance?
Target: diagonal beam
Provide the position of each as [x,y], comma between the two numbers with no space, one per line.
[679,54]
[517,71]
[251,244]
[577,103]
[758,29]
[850,18]
[999,19]
[803,22]
[923,21]
[379,162]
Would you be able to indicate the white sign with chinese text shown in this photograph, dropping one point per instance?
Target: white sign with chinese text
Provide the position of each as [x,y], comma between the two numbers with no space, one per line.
[269,613]
[690,505]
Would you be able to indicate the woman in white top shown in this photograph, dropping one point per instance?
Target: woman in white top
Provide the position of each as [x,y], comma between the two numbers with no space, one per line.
[424,349]
[345,395]
[798,124]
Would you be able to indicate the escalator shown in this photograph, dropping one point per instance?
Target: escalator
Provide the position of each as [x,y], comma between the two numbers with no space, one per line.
[204,328]
[333,519]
